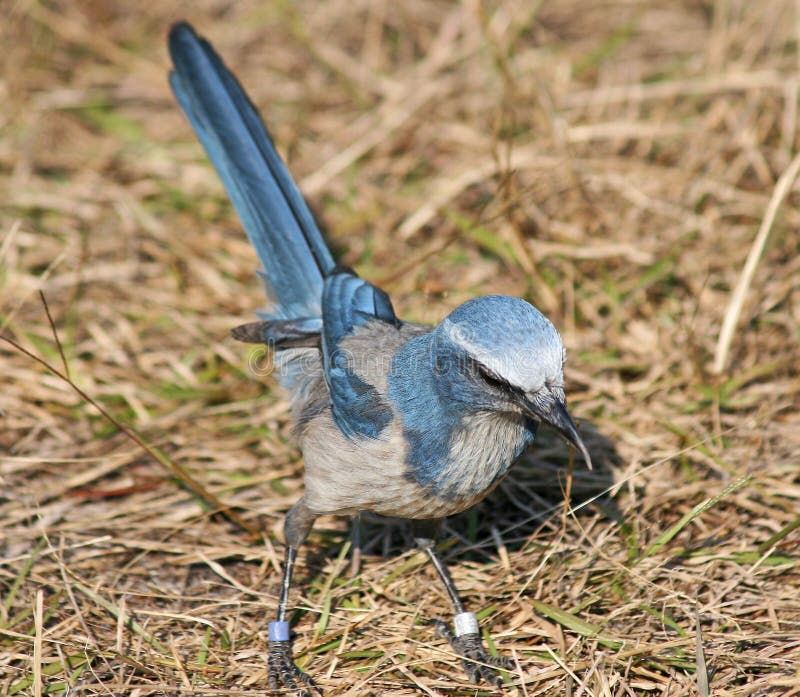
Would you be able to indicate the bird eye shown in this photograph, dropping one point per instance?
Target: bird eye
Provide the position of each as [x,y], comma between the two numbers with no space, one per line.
[492,379]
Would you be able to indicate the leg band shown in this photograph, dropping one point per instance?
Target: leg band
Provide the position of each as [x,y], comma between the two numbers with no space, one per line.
[278,631]
[465,623]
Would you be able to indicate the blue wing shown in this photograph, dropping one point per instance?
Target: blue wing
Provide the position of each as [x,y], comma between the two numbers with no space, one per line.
[349,302]
[272,210]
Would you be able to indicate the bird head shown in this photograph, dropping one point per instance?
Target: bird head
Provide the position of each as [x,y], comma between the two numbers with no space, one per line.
[499,353]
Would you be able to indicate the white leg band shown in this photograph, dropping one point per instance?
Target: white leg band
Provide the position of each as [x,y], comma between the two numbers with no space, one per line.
[466,623]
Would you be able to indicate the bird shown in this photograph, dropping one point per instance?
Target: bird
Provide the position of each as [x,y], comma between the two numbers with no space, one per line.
[392,417]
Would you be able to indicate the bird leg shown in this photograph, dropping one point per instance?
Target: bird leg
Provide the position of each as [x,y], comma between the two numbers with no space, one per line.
[282,669]
[466,640]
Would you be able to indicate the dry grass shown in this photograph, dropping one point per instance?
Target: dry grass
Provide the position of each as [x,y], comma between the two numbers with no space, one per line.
[612,162]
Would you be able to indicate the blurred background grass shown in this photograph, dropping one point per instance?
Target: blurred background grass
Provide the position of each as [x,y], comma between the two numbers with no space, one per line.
[611,162]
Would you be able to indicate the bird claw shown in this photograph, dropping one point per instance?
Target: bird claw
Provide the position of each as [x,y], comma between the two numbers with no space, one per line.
[477,662]
[284,672]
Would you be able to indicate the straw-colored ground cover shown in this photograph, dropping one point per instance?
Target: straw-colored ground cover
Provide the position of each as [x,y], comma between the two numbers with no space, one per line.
[612,162]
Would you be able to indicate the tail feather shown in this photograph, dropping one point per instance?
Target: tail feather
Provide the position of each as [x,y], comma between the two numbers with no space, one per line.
[274,214]
[303,332]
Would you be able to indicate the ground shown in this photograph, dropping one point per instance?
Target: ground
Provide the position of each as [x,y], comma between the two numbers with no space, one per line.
[630,168]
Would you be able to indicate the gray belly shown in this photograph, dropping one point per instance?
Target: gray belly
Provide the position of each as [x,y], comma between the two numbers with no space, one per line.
[344,476]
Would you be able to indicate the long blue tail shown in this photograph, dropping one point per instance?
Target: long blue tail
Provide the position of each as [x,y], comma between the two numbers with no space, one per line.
[271,208]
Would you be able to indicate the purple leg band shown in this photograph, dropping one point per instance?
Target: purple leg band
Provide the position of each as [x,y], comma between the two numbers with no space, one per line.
[279,631]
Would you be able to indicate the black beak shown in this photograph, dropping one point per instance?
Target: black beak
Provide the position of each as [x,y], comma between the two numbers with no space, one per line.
[558,417]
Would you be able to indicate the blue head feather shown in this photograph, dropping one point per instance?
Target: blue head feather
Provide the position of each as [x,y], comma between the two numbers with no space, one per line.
[510,337]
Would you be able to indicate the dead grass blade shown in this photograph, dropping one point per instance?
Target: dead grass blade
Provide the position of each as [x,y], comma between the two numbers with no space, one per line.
[734,310]
[703,682]
[696,512]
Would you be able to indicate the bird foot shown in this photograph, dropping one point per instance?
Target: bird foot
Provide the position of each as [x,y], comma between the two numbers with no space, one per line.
[477,662]
[284,673]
